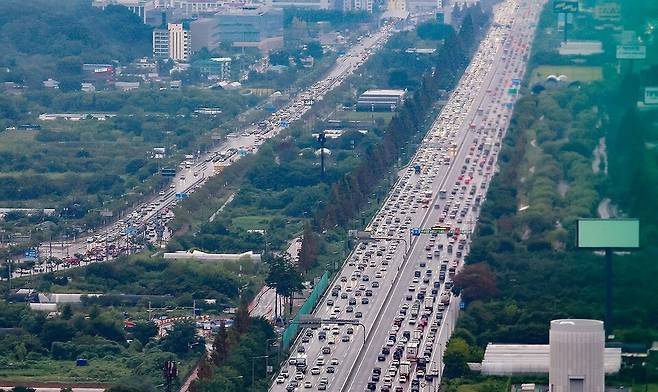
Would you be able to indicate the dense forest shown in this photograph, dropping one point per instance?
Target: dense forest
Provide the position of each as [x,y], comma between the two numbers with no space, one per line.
[43,39]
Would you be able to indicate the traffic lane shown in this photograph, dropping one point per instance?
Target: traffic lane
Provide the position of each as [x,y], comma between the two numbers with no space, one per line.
[406,275]
[342,349]
[311,352]
[415,253]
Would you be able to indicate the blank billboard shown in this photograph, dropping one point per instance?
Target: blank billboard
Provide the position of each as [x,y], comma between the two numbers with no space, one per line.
[608,233]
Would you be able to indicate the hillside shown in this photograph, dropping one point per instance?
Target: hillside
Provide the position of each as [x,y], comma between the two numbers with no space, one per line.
[61,35]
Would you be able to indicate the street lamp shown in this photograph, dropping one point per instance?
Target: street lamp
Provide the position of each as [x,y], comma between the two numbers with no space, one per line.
[253,368]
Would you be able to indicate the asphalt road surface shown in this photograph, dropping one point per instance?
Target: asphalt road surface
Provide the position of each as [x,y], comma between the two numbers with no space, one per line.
[457,160]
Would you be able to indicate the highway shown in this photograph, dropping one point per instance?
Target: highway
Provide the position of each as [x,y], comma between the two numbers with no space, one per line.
[148,220]
[411,311]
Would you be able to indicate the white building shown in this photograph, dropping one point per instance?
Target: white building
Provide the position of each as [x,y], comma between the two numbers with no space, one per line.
[577,348]
[575,359]
[314,4]
[180,42]
[580,48]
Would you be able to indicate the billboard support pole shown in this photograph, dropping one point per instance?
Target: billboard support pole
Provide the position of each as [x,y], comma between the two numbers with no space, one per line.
[608,291]
[566,22]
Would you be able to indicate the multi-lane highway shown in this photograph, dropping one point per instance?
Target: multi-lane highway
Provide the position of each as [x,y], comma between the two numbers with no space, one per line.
[404,298]
[148,220]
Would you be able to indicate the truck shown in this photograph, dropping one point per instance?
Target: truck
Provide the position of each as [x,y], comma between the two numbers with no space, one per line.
[404,368]
[412,350]
[428,303]
[300,363]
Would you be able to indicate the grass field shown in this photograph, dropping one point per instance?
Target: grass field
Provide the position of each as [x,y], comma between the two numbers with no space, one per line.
[580,73]
[361,116]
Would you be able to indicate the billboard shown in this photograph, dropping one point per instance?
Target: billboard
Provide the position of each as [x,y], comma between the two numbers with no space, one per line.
[651,95]
[565,6]
[631,52]
[608,233]
[608,12]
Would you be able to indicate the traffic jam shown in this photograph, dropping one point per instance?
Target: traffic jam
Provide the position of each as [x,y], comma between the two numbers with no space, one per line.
[432,210]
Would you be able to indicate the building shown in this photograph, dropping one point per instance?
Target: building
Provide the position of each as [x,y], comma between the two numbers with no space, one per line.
[314,4]
[212,257]
[180,42]
[580,48]
[137,7]
[531,359]
[420,6]
[160,43]
[247,26]
[575,359]
[215,68]
[191,8]
[577,348]
[380,100]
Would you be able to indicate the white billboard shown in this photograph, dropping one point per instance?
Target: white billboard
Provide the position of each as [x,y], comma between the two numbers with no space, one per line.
[631,52]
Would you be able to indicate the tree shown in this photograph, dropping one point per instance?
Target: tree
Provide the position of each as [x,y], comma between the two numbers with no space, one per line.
[476,281]
[182,338]
[220,345]
[242,318]
[308,252]
[284,278]
[205,370]
[455,357]
[144,331]
[67,312]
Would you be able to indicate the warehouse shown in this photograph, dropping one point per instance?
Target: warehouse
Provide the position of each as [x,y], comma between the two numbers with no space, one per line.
[380,100]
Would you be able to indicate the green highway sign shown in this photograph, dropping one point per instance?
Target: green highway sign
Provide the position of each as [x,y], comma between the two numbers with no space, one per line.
[608,233]
[565,6]
[512,91]
[631,52]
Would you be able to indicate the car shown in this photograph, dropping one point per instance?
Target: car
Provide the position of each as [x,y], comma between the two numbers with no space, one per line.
[299,376]
[308,385]
[315,370]
[322,387]
[326,350]
[280,380]
[301,349]
[345,338]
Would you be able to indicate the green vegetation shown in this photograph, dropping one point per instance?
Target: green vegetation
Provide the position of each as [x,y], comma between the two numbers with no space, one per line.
[573,73]
[42,39]
[553,171]
[81,167]
[45,349]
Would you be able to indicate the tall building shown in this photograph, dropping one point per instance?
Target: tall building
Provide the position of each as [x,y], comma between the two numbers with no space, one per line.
[248,26]
[577,356]
[180,42]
